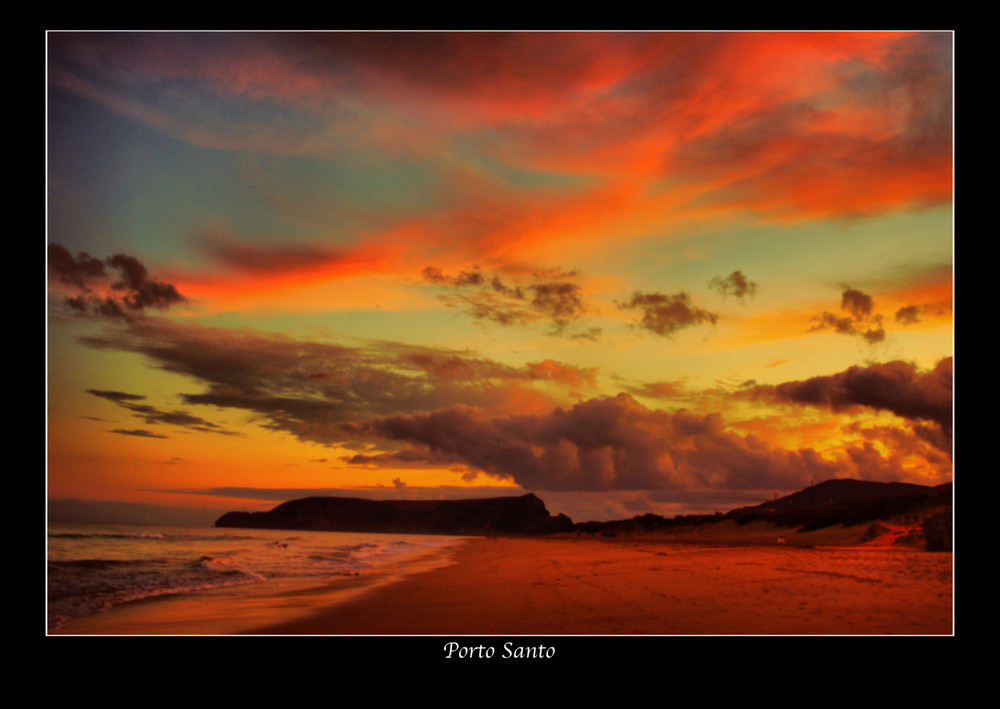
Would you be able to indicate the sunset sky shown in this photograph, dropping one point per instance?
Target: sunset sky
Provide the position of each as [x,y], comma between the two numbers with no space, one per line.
[634,272]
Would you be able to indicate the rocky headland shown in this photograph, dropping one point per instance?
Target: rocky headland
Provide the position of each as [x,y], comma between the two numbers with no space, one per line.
[509,516]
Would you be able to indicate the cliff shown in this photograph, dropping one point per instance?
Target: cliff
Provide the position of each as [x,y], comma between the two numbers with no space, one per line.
[525,515]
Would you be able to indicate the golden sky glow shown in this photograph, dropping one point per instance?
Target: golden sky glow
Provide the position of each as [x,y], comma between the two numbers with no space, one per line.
[614,269]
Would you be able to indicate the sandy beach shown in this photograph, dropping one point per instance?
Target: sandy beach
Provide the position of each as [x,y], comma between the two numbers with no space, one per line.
[726,581]
[655,586]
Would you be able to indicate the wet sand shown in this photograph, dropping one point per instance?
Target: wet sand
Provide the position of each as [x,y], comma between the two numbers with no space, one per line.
[231,610]
[656,586]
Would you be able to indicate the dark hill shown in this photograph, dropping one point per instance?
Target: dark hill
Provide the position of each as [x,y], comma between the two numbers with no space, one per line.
[844,502]
[840,493]
[524,515]
[847,502]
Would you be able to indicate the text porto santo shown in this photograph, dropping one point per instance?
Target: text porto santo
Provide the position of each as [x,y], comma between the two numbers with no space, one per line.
[510,651]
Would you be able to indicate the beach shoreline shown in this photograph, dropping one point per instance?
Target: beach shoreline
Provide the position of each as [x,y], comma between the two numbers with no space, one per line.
[642,585]
[229,609]
[654,586]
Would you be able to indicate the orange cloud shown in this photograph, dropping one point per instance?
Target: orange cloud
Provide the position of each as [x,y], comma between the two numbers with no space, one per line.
[929,297]
[793,125]
[568,375]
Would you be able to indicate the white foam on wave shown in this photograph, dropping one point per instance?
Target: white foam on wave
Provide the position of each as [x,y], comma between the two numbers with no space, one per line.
[97,570]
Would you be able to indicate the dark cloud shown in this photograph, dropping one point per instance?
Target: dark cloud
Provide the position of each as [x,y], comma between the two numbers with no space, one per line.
[607,444]
[616,444]
[141,291]
[735,284]
[874,334]
[316,391]
[666,314]
[268,258]
[407,458]
[896,386]
[861,320]
[550,298]
[855,302]
[79,271]
[908,315]
[138,432]
[829,320]
[559,301]
[116,396]
[434,275]
[179,418]
[453,367]
[152,415]
[464,278]
[128,288]
[483,305]
[500,287]
[469,278]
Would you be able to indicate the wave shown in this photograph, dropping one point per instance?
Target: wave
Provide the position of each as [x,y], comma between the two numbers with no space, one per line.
[66,607]
[93,571]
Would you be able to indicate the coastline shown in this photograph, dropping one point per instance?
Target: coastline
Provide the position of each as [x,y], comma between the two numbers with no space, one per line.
[653,586]
[232,610]
[730,582]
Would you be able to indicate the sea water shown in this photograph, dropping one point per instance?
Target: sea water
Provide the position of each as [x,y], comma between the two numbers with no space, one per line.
[93,569]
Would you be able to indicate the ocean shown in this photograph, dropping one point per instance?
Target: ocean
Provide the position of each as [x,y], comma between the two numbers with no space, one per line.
[125,579]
